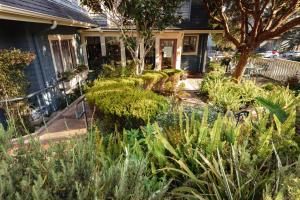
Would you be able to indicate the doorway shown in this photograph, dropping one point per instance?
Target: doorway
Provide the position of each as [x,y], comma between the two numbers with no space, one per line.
[168,53]
[94,52]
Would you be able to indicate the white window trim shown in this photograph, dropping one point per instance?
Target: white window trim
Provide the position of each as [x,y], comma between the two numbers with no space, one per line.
[197,45]
[60,38]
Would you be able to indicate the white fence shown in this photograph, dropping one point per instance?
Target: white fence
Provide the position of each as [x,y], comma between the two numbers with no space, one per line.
[277,69]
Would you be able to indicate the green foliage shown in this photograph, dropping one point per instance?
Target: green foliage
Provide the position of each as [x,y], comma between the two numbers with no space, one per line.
[225,94]
[269,86]
[77,170]
[193,158]
[120,101]
[147,16]
[226,160]
[154,80]
[12,77]
[273,108]
[113,71]
[13,83]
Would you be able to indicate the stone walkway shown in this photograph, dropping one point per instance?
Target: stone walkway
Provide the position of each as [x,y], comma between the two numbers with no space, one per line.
[192,86]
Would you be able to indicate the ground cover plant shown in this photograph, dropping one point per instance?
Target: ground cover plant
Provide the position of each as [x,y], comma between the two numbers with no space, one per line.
[198,159]
[225,95]
[129,102]
[151,151]
[122,103]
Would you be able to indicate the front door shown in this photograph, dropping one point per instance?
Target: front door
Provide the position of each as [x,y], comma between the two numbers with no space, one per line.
[168,53]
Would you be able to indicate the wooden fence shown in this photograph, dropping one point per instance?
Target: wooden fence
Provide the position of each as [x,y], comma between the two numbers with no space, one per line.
[277,69]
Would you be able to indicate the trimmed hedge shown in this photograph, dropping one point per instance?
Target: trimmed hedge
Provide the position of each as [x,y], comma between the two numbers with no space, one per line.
[123,103]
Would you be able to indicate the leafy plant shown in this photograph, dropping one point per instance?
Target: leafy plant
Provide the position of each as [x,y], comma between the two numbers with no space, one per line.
[123,104]
[12,77]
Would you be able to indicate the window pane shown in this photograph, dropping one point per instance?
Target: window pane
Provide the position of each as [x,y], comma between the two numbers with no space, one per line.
[57,56]
[68,53]
[113,49]
[190,44]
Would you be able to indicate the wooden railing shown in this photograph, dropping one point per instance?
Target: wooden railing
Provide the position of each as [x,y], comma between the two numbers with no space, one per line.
[277,69]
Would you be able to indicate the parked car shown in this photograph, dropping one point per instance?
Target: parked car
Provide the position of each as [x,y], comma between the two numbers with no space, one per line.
[270,54]
[291,54]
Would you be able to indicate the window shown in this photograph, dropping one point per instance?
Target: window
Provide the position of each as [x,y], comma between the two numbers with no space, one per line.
[63,53]
[113,49]
[190,44]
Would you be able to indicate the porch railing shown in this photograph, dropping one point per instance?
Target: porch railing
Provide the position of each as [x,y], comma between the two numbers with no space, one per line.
[42,103]
[277,69]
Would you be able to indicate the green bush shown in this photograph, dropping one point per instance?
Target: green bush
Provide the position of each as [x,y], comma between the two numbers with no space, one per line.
[13,84]
[12,77]
[122,104]
[226,159]
[83,169]
[116,71]
[193,158]
[154,80]
[225,94]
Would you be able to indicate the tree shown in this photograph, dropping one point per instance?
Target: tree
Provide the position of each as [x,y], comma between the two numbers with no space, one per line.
[292,39]
[248,23]
[137,21]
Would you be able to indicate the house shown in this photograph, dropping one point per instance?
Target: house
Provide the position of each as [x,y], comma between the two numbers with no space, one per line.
[48,28]
[181,46]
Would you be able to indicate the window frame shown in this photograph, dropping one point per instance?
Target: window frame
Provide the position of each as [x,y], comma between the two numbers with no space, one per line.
[197,44]
[61,38]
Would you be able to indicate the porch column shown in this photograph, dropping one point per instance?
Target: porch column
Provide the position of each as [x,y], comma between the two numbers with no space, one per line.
[123,53]
[157,54]
[103,46]
[84,52]
[179,50]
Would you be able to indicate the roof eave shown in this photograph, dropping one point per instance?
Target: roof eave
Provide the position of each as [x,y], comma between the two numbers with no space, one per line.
[18,14]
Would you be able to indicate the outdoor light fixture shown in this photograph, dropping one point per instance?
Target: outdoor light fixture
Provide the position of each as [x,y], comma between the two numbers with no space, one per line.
[54,25]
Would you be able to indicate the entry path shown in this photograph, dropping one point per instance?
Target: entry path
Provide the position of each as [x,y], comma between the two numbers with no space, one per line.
[192,86]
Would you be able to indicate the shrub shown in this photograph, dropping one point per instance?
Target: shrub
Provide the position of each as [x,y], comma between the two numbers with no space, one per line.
[174,77]
[226,159]
[13,83]
[225,94]
[269,86]
[154,80]
[12,77]
[87,168]
[116,71]
[119,102]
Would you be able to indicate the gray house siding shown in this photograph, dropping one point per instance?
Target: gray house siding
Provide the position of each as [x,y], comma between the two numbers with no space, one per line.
[34,38]
[196,63]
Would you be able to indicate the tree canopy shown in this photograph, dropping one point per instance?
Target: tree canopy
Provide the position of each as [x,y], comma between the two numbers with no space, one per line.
[248,23]
[137,20]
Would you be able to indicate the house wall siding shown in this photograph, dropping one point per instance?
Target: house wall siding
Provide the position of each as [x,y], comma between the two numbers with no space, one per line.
[34,38]
[196,63]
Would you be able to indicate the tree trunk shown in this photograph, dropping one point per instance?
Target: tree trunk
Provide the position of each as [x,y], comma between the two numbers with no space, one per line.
[241,66]
[137,55]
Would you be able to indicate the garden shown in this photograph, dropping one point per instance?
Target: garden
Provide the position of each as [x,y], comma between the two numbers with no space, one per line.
[145,143]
